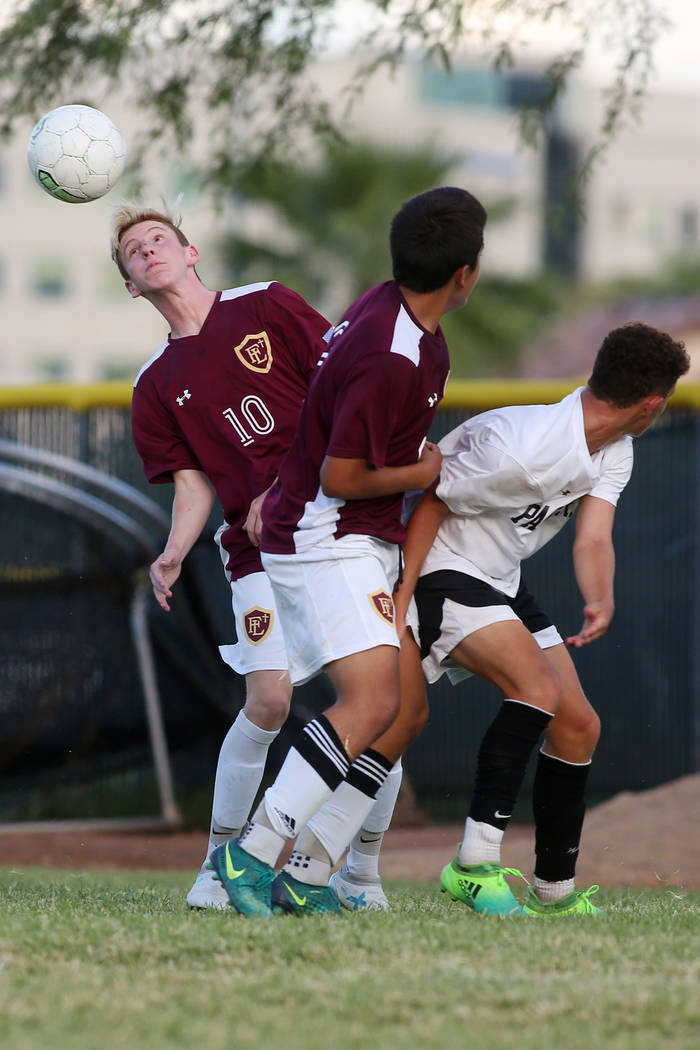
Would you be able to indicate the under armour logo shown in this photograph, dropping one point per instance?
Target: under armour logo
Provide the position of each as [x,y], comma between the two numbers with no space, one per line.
[566,492]
[183,397]
[433,399]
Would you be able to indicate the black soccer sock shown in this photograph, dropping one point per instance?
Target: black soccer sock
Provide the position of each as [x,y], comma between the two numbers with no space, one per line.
[503,757]
[559,806]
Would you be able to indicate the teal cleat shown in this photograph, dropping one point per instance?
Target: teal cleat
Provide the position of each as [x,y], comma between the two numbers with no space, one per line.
[246,879]
[482,887]
[576,903]
[299,898]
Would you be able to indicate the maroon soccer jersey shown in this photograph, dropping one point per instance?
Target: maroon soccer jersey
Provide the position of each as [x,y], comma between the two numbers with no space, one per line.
[227,401]
[374,398]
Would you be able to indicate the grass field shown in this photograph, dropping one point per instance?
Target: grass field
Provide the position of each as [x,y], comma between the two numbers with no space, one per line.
[106,960]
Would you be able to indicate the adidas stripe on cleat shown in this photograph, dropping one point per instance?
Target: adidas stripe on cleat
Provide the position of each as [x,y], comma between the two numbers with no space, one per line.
[246,879]
[576,903]
[482,887]
[299,898]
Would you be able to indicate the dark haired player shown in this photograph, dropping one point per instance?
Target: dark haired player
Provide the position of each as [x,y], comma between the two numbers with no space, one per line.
[510,480]
[330,541]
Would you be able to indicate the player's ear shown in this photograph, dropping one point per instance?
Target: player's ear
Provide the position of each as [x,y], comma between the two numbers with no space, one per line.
[131,288]
[192,255]
[653,403]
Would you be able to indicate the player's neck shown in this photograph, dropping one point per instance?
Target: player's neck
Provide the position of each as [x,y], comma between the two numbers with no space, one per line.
[184,308]
[426,307]
[602,423]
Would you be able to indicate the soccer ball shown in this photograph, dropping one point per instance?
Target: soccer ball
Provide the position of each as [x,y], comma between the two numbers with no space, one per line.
[76,153]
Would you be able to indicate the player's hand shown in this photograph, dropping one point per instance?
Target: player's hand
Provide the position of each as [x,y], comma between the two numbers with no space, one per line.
[430,460]
[596,619]
[163,573]
[253,523]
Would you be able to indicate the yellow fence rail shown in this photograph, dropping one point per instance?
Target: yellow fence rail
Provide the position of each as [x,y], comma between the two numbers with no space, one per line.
[473,394]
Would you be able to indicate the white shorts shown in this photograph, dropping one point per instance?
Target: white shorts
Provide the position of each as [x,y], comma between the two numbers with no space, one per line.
[452,605]
[260,645]
[334,601]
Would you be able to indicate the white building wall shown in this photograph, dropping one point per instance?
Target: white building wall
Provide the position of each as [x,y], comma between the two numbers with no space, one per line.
[642,209]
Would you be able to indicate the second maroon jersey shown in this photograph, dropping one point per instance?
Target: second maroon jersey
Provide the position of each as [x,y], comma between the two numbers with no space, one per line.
[226,401]
[373,398]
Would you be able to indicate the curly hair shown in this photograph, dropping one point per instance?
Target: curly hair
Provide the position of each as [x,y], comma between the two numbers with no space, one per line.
[129,215]
[636,361]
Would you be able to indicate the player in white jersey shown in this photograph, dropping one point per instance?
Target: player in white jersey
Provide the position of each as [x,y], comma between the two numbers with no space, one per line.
[214,411]
[510,479]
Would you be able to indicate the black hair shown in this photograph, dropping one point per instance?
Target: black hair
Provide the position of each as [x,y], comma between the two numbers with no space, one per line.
[433,235]
[636,361]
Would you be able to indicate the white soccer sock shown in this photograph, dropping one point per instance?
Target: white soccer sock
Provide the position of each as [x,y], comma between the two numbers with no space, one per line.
[481,843]
[286,807]
[363,855]
[549,892]
[238,774]
[341,816]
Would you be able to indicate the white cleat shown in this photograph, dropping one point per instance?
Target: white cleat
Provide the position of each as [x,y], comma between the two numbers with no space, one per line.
[358,892]
[207,892]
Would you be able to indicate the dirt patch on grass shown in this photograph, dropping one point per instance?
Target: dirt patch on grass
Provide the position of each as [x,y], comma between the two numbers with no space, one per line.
[647,838]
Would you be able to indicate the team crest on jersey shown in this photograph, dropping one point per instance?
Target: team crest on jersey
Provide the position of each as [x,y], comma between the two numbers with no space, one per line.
[255,352]
[383,605]
[257,624]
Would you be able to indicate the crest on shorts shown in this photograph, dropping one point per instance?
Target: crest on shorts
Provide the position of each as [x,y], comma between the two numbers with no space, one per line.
[383,605]
[255,352]
[257,624]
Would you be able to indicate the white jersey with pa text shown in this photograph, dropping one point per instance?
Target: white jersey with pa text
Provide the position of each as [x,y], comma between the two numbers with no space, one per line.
[512,477]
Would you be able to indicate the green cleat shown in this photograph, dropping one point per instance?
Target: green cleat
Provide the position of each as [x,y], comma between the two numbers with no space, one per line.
[246,879]
[482,887]
[576,903]
[299,898]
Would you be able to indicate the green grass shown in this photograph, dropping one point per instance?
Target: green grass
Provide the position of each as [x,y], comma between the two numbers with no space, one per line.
[106,960]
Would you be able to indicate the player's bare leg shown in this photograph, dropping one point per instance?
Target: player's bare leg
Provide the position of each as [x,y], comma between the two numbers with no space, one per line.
[559,796]
[367,687]
[506,654]
[358,883]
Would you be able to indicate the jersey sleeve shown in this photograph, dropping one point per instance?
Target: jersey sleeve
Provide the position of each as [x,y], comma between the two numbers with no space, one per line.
[616,465]
[159,443]
[484,477]
[304,331]
[368,408]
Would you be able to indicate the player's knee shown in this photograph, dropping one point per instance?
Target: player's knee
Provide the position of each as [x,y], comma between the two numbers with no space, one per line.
[574,734]
[545,690]
[269,707]
[589,729]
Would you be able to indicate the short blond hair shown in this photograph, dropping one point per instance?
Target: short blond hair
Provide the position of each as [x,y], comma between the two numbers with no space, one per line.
[129,215]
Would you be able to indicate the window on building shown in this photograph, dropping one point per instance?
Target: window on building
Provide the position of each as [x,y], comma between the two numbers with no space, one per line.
[53,368]
[49,278]
[116,369]
[689,228]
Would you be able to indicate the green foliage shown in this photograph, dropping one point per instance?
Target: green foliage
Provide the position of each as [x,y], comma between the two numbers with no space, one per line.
[326,235]
[114,959]
[227,82]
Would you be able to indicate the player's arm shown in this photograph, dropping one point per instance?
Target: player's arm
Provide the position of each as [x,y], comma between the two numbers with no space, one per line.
[356,479]
[594,564]
[192,504]
[420,534]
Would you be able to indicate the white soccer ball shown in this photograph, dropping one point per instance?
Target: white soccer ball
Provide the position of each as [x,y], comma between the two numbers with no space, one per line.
[76,153]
